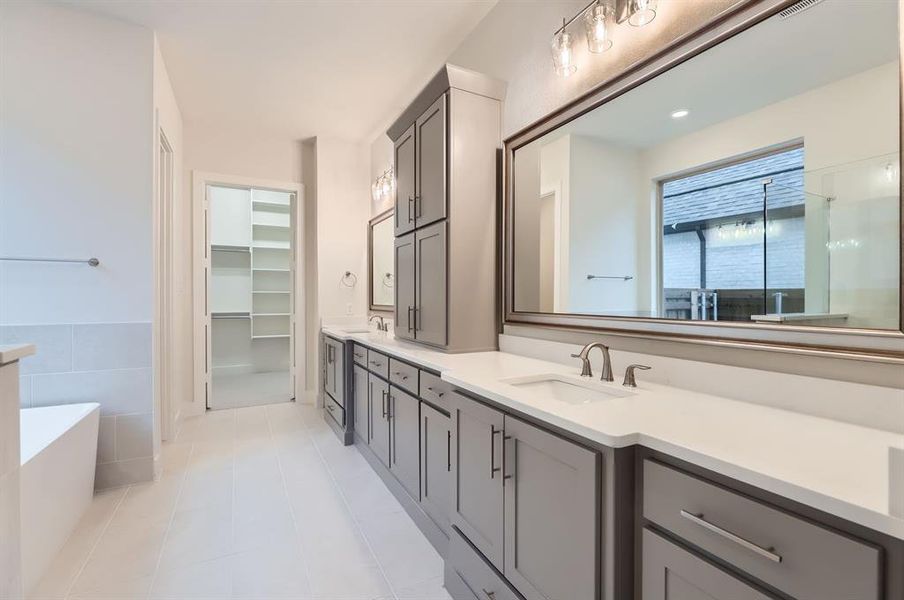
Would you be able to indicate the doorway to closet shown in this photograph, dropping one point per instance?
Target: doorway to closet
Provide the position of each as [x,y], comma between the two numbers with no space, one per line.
[251,247]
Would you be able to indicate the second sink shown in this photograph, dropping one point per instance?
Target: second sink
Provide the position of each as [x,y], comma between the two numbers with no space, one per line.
[563,388]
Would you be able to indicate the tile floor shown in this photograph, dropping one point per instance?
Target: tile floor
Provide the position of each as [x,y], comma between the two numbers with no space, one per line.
[254,503]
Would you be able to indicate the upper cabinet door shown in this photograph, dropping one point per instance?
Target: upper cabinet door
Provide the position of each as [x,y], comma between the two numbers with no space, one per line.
[404,174]
[430,314]
[404,287]
[550,502]
[430,137]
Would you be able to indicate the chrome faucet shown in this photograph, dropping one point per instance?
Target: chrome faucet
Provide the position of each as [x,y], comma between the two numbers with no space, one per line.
[382,325]
[607,362]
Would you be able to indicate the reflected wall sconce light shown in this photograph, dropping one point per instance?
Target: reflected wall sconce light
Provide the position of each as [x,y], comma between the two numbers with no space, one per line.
[383,187]
[599,17]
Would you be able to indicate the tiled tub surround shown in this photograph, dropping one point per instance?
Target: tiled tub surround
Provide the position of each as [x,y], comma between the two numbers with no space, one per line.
[10,556]
[834,466]
[107,363]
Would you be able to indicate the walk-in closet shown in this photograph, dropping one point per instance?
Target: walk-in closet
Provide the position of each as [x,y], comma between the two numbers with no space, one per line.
[250,295]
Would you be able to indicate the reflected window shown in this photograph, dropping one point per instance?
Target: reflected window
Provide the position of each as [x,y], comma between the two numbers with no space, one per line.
[733,239]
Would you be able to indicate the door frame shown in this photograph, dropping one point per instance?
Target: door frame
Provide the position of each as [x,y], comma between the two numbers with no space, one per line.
[163,328]
[201,261]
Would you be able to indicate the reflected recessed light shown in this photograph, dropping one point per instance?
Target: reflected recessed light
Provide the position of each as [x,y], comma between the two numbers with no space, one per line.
[680,114]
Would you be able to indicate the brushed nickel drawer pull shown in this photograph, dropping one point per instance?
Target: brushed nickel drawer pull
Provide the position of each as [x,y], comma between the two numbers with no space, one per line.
[399,374]
[764,552]
[489,595]
[438,394]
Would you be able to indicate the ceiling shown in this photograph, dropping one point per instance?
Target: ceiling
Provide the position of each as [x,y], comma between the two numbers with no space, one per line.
[299,68]
[773,61]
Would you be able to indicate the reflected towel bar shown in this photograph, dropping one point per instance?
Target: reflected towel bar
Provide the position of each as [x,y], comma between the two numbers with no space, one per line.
[93,262]
[622,277]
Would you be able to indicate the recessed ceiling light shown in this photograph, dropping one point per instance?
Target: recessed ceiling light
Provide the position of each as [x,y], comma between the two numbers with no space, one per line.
[680,113]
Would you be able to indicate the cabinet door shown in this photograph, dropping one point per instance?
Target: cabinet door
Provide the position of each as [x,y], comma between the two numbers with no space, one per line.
[361,411]
[404,437]
[404,174]
[404,287]
[477,501]
[436,465]
[329,369]
[379,421]
[430,143]
[430,316]
[670,572]
[337,376]
[551,501]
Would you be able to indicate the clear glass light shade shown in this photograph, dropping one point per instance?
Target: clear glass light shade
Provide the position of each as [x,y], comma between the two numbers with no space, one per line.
[563,54]
[596,25]
[641,12]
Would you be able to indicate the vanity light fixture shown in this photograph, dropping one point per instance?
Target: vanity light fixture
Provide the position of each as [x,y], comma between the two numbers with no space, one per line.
[641,12]
[383,187]
[599,17]
[680,113]
[596,25]
[563,52]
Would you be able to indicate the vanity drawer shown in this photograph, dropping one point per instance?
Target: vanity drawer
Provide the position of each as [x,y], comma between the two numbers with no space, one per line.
[378,364]
[360,354]
[799,558]
[334,410]
[435,391]
[475,572]
[403,375]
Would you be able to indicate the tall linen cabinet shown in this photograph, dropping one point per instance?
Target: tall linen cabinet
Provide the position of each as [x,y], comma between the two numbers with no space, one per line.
[447,152]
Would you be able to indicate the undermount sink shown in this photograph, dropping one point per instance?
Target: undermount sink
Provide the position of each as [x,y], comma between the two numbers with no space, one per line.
[354,329]
[569,390]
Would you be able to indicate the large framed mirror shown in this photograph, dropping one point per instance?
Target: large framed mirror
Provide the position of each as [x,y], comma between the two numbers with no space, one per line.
[743,187]
[380,275]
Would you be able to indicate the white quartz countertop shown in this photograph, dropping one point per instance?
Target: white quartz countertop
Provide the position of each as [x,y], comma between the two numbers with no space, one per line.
[11,353]
[836,467]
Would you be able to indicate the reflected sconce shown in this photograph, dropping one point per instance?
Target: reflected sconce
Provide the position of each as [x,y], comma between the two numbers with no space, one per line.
[599,17]
[383,188]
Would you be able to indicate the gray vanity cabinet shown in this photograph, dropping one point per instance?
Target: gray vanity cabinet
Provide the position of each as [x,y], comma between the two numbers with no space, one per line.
[477,494]
[551,514]
[436,465]
[379,418]
[361,412]
[404,439]
[670,572]
[430,164]
[430,316]
[404,161]
[404,287]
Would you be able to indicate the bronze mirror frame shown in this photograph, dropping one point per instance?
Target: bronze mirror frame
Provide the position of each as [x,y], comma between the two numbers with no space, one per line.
[387,214]
[885,346]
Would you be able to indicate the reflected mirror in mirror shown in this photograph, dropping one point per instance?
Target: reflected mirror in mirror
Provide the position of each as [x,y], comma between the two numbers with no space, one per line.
[756,182]
[380,248]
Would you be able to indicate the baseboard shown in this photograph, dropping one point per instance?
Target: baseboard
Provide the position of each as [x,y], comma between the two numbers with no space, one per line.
[436,536]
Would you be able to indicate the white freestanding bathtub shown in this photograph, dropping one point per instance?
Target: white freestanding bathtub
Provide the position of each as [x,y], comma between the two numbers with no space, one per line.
[59,455]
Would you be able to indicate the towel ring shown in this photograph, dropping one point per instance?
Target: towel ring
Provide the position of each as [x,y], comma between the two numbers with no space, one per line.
[387,280]
[349,279]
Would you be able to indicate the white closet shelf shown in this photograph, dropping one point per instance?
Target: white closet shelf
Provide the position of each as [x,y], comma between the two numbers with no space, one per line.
[230,315]
[226,248]
[270,337]
[279,314]
[271,226]
[271,292]
[266,203]
[270,270]
[271,245]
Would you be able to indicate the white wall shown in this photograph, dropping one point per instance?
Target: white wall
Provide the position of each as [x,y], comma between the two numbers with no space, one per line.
[77,153]
[77,148]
